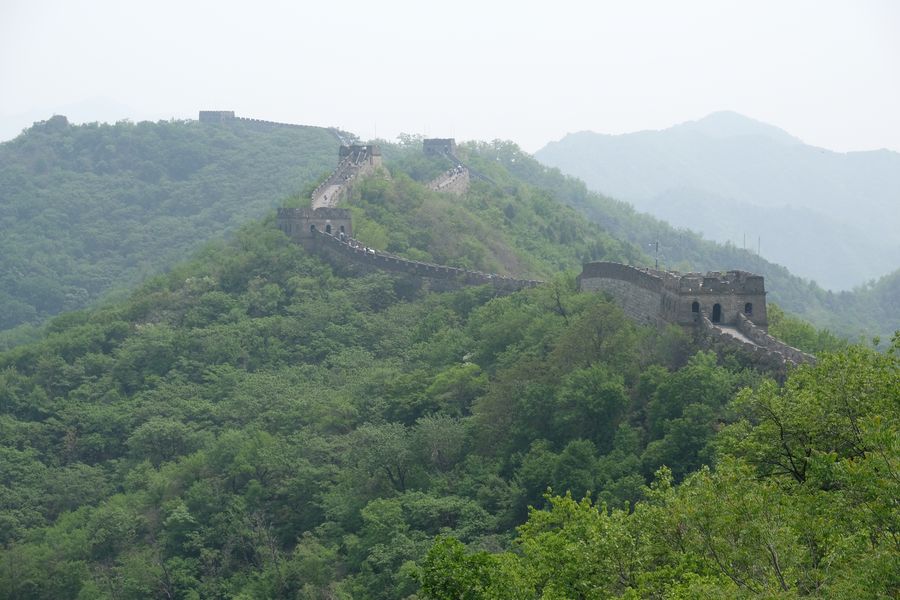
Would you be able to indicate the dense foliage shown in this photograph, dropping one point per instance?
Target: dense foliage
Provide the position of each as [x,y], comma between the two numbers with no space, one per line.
[90,208]
[256,425]
[803,502]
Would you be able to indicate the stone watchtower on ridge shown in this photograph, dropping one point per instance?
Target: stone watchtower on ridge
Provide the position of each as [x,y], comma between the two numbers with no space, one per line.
[657,297]
[301,224]
[439,147]
[361,154]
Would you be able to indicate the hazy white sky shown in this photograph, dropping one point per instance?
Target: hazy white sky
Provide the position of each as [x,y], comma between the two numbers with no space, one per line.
[826,71]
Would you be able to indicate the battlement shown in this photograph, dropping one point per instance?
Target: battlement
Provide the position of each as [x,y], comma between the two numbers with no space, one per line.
[216,116]
[302,224]
[346,250]
[439,146]
[652,296]
[358,154]
[727,309]
[455,181]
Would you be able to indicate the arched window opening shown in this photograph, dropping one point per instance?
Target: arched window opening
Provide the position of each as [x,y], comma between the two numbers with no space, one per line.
[695,307]
[342,229]
[717,313]
[328,228]
[312,227]
[748,309]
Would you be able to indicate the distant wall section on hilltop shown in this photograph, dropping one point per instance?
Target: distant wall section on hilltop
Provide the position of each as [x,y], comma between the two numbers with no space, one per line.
[439,146]
[216,116]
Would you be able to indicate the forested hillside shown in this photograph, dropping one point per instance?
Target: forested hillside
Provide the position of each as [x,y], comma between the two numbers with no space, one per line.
[801,503]
[86,209]
[257,424]
[89,209]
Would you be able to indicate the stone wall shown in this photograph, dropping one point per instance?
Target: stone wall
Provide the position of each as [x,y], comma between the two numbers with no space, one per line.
[455,181]
[225,116]
[349,250]
[718,340]
[216,116]
[439,146]
[301,224]
[355,161]
[733,291]
[637,292]
[761,338]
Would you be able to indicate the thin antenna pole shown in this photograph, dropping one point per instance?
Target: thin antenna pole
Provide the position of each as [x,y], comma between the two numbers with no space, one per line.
[657,254]
[758,256]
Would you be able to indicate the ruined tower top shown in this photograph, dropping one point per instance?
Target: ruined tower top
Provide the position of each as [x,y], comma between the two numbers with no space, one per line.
[439,146]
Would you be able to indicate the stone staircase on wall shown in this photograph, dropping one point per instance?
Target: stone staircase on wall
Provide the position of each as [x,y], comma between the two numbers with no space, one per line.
[354,166]
[751,340]
[455,181]
[760,337]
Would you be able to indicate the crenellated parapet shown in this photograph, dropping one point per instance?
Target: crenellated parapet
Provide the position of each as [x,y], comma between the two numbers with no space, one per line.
[762,338]
[302,224]
[726,308]
[653,296]
[347,250]
[228,116]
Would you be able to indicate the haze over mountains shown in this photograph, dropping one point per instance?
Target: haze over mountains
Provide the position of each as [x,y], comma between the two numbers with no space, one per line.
[828,216]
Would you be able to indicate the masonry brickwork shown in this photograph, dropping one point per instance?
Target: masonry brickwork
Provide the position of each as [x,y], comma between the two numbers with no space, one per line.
[354,161]
[682,298]
[728,308]
[455,181]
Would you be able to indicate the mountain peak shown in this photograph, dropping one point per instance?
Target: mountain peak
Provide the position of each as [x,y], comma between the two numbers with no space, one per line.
[727,124]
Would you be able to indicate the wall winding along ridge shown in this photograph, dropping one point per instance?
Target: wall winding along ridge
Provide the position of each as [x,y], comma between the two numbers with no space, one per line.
[326,229]
[716,305]
[351,250]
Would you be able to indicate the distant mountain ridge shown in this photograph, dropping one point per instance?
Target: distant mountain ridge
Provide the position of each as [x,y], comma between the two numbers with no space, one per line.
[828,216]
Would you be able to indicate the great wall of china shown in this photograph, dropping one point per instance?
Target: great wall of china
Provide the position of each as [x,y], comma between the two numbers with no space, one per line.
[726,310]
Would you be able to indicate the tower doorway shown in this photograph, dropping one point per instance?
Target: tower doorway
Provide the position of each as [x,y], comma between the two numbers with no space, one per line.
[717,313]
